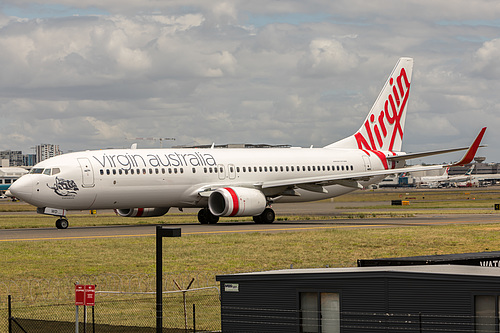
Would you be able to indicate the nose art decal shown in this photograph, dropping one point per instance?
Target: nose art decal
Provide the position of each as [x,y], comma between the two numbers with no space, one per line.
[64,187]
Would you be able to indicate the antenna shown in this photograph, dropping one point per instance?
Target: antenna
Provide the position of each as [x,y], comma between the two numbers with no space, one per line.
[157,139]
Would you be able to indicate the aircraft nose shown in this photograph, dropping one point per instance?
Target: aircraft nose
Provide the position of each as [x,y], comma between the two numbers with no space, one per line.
[22,188]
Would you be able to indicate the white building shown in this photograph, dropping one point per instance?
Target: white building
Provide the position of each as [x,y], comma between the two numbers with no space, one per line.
[45,151]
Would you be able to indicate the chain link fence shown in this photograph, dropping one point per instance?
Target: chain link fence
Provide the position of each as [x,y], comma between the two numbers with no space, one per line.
[123,303]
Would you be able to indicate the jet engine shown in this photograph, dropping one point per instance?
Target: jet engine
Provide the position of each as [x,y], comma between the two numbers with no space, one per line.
[237,201]
[142,212]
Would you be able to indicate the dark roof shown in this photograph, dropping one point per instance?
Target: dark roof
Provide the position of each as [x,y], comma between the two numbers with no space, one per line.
[458,258]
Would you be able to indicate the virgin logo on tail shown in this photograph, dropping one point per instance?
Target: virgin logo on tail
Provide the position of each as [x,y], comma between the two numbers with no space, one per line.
[380,133]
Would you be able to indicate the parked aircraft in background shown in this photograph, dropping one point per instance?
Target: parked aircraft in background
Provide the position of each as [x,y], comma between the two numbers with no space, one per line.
[444,179]
[231,182]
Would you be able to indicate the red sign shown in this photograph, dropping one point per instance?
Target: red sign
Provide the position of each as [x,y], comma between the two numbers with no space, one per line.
[85,294]
[79,294]
[90,295]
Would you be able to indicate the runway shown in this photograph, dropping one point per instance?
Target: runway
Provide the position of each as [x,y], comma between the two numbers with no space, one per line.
[102,232]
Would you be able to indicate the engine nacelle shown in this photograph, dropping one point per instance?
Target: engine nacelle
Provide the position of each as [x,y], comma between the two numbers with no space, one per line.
[142,212]
[237,201]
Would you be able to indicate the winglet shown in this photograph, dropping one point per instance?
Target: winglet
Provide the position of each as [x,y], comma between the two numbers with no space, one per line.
[471,152]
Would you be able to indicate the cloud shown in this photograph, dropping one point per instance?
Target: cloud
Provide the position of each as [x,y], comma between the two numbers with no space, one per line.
[296,72]
[327,57]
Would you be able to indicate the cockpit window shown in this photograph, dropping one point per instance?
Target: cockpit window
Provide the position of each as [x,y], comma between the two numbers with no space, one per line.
[55,171]
[46,172]
[36,171]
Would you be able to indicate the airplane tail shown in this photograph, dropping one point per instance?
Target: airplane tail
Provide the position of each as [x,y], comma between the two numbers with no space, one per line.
[383,128]
[469,172]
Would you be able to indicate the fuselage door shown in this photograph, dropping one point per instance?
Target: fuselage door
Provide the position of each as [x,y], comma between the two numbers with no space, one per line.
[368,165]
[87,172]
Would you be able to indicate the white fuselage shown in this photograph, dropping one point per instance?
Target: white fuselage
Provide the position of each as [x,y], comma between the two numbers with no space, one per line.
[127,178]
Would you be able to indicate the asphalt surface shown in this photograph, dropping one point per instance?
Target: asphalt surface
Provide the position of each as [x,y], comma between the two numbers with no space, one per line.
[316,208]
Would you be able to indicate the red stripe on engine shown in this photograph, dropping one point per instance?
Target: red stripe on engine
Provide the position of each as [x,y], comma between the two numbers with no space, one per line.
[140,211]
[236,206]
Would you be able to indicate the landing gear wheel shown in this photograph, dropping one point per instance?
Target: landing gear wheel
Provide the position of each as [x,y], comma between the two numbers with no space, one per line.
[202,218]
[257,219]
[205,216]
[62,223]
[267,217]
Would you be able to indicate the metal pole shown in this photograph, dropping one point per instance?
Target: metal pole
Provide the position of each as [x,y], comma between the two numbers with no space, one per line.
[10,314]
[159,280]
[76,320]
[161,232]
[194,318]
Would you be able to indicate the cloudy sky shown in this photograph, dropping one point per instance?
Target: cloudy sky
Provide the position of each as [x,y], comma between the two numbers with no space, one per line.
[89,74]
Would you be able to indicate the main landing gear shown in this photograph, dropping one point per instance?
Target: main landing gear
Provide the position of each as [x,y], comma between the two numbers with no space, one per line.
[205,216]
[266,217]
[62,223]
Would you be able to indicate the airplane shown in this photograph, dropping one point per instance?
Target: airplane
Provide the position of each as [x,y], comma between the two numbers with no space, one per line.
[445,178]
[233,181]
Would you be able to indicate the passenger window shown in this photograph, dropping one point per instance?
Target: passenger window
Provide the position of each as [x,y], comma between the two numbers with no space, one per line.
[131,171]
[108,172]
[194,170]
[120,171]
[102,172]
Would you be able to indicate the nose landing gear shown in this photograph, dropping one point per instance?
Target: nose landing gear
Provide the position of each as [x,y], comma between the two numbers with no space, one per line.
[62,221]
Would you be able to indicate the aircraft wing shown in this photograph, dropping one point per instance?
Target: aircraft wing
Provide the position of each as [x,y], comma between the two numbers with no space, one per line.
[316,184]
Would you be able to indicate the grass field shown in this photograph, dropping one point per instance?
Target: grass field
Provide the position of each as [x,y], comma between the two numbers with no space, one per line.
[253,251]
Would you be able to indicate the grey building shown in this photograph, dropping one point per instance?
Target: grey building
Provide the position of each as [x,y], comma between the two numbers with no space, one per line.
[15,157]
[449,298]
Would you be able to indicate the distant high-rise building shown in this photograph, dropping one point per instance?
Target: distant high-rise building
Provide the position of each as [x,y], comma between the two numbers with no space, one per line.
[29,159]
[15,157]
[45,151]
